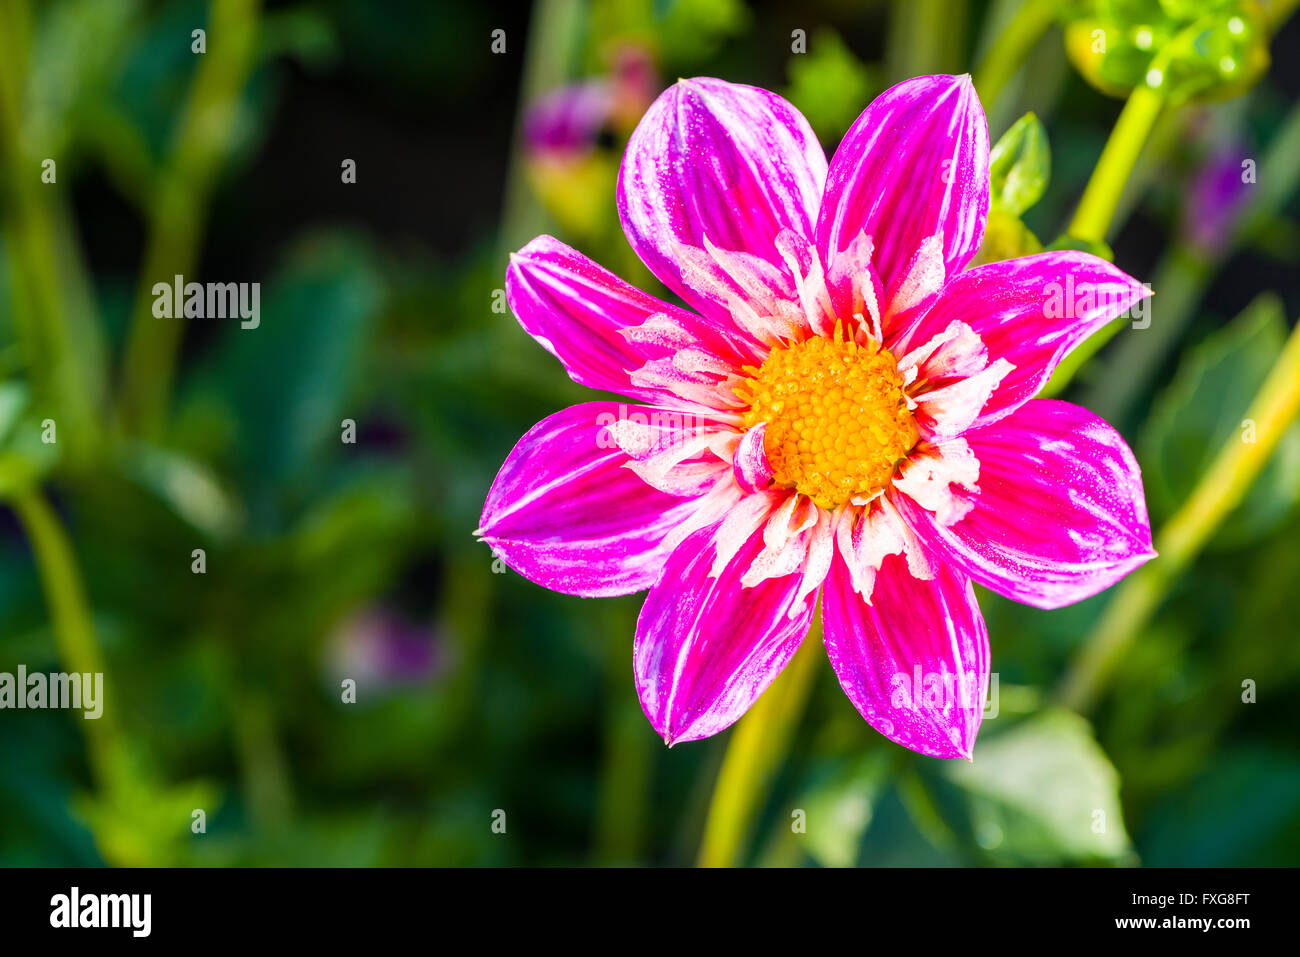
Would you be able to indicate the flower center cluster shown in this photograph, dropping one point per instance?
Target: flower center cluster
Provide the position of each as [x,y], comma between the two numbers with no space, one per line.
[837,418]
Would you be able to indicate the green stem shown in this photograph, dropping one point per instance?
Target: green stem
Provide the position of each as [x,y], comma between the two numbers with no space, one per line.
[1219,491]
[624,798]
[1180,280]
[123,813]
[68,381]
[178,212]
[1101,196]
[1010,49]
[1092,220]
[754,754]
[268,792]
[72,624]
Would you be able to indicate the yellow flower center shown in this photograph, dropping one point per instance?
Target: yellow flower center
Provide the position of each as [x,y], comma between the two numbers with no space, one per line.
[837,418]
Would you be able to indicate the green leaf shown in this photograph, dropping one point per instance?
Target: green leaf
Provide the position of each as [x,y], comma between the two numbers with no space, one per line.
[1043,792]
[692,30]
[839,804]
[145,823]
[289,380]
[25,456]
[1020,166]
[1205,407]
[13,400]
[187,486]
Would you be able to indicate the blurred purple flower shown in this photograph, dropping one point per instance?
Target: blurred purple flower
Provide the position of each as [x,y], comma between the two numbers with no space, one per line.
[1215,198]
[382,650]
[568,119]
[571,119]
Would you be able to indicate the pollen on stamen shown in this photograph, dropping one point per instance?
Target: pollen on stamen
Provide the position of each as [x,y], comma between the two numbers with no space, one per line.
[836,414]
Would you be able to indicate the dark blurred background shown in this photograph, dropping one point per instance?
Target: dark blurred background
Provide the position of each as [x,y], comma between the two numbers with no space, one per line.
[477,692]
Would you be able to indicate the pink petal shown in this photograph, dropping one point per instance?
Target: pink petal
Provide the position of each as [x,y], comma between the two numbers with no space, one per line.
[750,464]
[567,514]
[598,326]
[954,379]
[914,165]
[915,661]
[706,647]
[723,165]
[1031,312]
[938,477]
[1060,513]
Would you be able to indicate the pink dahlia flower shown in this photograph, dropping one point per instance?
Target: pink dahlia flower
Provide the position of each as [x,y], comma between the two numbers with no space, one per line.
[844,408]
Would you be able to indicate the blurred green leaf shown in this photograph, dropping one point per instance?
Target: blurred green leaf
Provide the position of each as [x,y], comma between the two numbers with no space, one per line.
[829,85]
[1043,792]
[186,486]
[25,457]
[73,62]
[142,823]
[693,29]
[300,32]
[839,804]
[37,825]
[1020,165]
[288,380]
[1202,409]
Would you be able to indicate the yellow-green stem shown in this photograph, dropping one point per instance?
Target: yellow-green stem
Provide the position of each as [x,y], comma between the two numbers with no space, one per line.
[1219,491]
[177,214]
[70,617]
[1102,194]
[1180,279]
[60,348]
[754,754]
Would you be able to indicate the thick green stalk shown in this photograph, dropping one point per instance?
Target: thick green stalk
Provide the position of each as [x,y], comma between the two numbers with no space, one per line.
[123,813]
[1219,491]
[754,754]
[179,209]
[1102,194]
